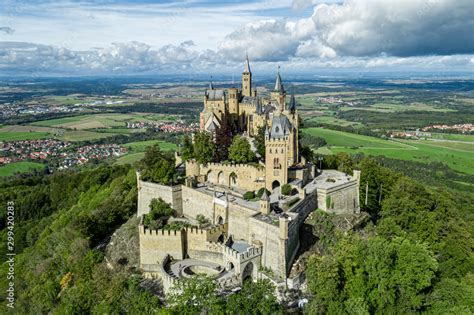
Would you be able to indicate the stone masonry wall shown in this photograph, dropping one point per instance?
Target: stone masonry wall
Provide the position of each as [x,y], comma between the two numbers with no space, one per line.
[239,221]
[156,244]
[342,199]
[147,191]
[195,202]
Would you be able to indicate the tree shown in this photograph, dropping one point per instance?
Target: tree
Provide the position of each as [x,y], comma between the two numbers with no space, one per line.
[240,151]
[196,295]
[187,150]
[255,298]
[204,147]
[158,167]
[286,189]
[223,141]
[159,211]
[260,142]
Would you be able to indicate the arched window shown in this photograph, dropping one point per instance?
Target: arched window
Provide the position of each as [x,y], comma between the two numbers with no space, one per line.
[270,151]
[277,129]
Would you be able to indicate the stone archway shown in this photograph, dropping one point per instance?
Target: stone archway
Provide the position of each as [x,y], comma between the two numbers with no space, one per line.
[221,178]
[232,180]
[221,239]
[275,184]
[220,220]
[248,271]
[230,266]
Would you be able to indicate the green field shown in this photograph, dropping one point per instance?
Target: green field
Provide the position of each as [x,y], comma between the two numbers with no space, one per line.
[19,167]
[455,137]
[459,157]
[140,146]
[137,150]
[22,135]
[92,121]
[83,135]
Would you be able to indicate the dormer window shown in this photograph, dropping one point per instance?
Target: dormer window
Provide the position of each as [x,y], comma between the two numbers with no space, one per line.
[277,129]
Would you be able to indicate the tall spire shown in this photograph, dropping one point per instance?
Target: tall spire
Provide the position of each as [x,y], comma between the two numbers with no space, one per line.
[211,86]
[278,82]
[247,64]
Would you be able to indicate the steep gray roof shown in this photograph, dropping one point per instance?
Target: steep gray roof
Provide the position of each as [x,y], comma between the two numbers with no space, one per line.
[215,94]
[292,106]
[265,196]
[249,100]
[281,126]
[279,83]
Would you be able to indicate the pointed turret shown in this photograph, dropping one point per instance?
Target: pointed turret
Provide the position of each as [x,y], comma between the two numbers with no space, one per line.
[247,64]
[265,203]
[292,106]
[211,86]
[247,79]
[278,83]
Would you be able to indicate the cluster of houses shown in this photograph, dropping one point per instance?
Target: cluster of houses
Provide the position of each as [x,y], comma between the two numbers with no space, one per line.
[66,155]
[162,126]
[410,134]
[14,151]
[12,109]
[83,155]
[336,100]
[462,128]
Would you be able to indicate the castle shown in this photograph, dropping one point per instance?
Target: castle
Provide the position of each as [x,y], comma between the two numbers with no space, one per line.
[243,238]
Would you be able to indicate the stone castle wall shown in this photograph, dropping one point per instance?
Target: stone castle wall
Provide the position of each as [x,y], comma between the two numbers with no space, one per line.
[196,202]
[341,199]
[268,234]
[242,176]
[155,245]
[239,221]
[147,191]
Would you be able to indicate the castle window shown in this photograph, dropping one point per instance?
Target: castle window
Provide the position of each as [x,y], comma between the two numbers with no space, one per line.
[270,151]
[277,129]
[281,150]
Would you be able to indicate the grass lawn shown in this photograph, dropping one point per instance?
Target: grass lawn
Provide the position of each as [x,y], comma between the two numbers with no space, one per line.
[458,158]
[451,136]
[331,120]
[19,167]
[130,158]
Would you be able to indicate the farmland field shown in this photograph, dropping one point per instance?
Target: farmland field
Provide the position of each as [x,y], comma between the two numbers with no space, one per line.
[19,167]
[83,135]
[9,134]
[456,156]
[94,121]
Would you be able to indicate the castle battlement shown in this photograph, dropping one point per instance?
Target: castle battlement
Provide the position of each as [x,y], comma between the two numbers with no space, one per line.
[250,253]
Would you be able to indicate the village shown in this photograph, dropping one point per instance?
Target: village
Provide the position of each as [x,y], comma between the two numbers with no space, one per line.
[163,126]
[63,152]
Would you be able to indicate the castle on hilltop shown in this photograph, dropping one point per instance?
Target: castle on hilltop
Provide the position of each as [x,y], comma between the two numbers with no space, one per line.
[243,238]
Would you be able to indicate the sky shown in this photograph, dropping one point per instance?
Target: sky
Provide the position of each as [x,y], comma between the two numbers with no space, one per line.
[124,37]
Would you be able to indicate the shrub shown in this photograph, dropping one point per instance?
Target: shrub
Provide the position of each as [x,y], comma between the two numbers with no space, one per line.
[286,189]
[260,192]
[249,195]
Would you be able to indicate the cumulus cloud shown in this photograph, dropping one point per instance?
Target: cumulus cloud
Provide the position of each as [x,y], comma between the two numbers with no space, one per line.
[117,58]
[361,28]
[7,30]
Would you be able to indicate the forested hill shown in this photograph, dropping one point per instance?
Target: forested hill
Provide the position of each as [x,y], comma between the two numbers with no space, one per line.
[415,255]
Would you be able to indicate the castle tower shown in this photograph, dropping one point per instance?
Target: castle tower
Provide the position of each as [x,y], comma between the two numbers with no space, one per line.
[247,79]
[279,94]
[265,203]
[276,152]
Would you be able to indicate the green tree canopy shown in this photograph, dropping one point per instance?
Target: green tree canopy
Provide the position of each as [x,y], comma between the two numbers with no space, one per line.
[260,142]
[255,298]
[157,166]
[240,151]
[204,147]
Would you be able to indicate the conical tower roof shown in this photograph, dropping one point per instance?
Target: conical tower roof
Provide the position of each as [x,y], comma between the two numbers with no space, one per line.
[279,83]
[292,106]
[265,196]
[247,64]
